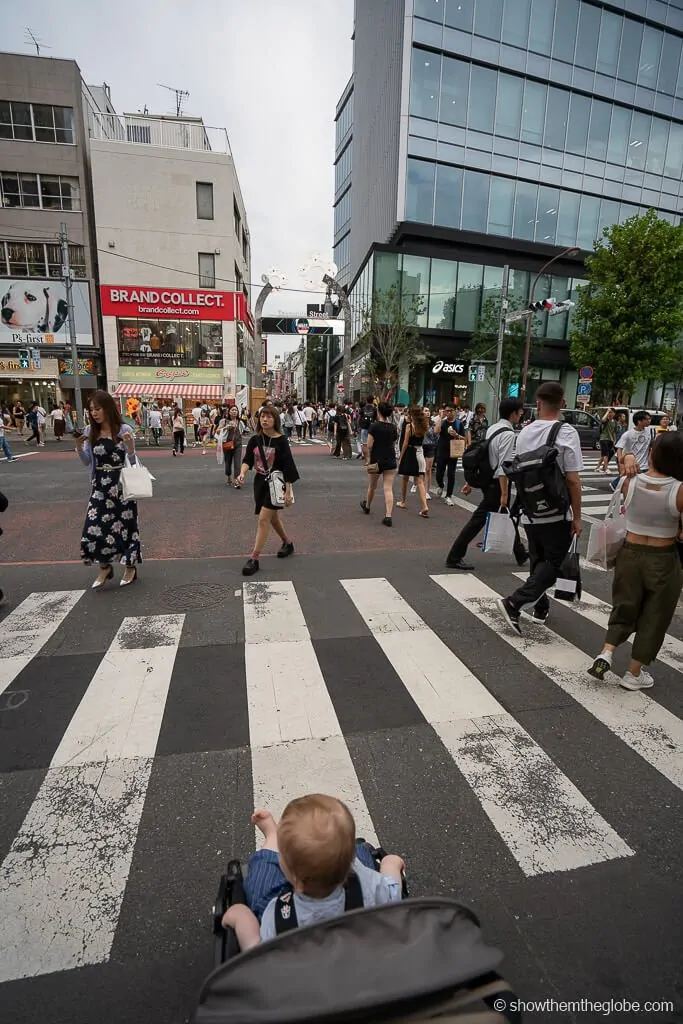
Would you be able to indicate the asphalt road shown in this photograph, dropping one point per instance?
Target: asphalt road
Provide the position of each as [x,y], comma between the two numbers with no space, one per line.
[137,733]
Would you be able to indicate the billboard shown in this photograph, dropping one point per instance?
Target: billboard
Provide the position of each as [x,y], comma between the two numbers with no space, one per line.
[33,311]
[135,301]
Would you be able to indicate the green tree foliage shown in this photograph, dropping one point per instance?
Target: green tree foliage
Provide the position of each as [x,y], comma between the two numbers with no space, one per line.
[390,340]
[629,318]
[316,357]
[484,341]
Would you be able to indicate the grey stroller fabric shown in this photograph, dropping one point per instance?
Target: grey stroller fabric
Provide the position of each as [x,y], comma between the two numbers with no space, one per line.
[411,959]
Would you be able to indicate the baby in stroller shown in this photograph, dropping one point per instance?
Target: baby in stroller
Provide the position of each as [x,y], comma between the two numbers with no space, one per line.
[310,869]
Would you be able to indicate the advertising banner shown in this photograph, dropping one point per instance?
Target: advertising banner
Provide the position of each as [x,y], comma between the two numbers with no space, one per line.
[165,375]
[33,311]
[12,368]
[86,367]
[136,301]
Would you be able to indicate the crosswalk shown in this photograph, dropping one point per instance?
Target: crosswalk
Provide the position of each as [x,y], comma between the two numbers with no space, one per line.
[65,877]
[596,495]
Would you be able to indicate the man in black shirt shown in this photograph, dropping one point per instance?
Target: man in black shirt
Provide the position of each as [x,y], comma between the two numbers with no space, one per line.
[447,429]
[368,415]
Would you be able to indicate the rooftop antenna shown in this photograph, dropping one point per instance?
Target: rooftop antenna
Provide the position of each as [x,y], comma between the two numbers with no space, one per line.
[180,94]
[36,42]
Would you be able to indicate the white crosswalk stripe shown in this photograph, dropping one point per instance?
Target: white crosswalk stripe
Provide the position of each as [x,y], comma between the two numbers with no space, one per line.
[64,879]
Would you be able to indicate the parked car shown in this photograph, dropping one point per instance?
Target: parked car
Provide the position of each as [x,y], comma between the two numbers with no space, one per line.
[587,424]
[654,414]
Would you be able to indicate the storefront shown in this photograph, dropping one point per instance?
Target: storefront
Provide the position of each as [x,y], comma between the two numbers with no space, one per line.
[443,382]
[184,387]
[36,382]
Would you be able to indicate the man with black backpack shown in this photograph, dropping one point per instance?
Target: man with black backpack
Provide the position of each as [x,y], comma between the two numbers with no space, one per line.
[545,470]
[368,415]
[482,465]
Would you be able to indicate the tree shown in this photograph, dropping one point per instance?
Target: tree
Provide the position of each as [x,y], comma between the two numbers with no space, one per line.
[315,366]
[629,316]
[484,341]
[390,339]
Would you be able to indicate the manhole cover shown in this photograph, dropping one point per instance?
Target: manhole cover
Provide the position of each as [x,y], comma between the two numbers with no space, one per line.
[195,595]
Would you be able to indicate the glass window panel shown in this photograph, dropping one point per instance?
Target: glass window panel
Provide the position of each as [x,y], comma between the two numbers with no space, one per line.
[656,150]
[588,221]
[482,103]
[650,57]
[619,135]
[501,206]
[670,63]
[64,123]
[35,256]
[557,115]
[488,18]
[207,270]
[415,285]
[204,200]
[29,190]
[442,287]
[588,35]
[424,84]
[525,210]
[43,116]
[50,192]
[448,196]
[637,143]
[430,9]
[420,191]
[518,286]
[71,193]
[460,14]
[454,90]
[475,205]
[17,260]
[577,129]
[609,214]
[493,284]
[674,151]
[509,106]
[468,298]
[548,206]
[564,35]
[533,111]
[5,133]
[608,46]
[556,326]
[516,22]
[568,218]
[21,118]
[598,132]
[629,53]
[541,30]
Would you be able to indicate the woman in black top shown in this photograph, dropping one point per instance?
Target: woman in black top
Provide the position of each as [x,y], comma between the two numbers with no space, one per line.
[381,449]
[268,450]
[413,459]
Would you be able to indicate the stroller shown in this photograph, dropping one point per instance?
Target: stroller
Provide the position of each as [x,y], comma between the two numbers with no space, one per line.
[417,960]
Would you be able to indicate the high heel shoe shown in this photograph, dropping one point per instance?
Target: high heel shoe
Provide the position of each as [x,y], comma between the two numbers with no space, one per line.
[100,582]
[126,583]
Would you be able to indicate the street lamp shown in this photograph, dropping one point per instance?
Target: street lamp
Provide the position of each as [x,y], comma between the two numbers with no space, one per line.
[571,251]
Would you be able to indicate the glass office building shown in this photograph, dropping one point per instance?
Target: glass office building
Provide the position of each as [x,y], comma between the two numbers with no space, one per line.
[509,130]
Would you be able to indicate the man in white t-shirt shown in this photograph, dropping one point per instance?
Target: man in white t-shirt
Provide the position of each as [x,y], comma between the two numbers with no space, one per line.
[196,417]
[550,537]
[636,442]
[309,416]
[155,424]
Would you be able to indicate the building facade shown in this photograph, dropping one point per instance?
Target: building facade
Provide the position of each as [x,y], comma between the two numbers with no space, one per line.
[45,182]
[493,132]
[174,259]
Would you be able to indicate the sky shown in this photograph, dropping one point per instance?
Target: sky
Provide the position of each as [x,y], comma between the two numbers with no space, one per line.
[269,71]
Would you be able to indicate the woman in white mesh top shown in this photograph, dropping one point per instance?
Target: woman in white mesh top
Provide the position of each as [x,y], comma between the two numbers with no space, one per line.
[647,576]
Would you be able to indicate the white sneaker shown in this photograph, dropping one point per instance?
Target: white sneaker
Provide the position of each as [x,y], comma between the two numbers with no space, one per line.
[643,681]
[449,501]
[428,496]
[413,489]
[439,492]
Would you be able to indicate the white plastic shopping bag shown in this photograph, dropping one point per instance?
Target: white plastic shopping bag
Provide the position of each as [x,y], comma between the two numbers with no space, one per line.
[499,535]
[607,538]
[136,481]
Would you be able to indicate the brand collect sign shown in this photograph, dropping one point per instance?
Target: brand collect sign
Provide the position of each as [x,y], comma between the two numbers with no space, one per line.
[441,367]
[169,375]
[172,303]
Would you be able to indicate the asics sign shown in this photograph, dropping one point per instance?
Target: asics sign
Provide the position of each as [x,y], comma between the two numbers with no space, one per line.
[441,367]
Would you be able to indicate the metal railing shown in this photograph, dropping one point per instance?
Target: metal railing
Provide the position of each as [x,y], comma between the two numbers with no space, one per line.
[164,132]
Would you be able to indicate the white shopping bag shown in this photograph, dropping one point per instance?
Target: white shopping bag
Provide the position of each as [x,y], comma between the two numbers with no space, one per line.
[607,538]
[136,481]
[220,438]
[499,535]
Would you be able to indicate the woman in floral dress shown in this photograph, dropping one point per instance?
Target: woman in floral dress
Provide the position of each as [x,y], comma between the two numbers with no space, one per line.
[111,531]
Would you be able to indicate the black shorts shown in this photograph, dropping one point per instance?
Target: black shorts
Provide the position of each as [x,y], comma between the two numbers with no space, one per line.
[262,495]
[607,449]
[386,467]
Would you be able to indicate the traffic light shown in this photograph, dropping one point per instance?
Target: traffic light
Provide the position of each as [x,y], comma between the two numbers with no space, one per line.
[24,359]
[561,307]
[551,306]
[542,305]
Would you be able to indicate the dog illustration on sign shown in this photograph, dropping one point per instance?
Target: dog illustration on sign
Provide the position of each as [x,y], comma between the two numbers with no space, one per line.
[36,307]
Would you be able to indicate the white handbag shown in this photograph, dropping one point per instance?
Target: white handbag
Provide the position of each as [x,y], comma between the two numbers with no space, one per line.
[500,534]
[136,481]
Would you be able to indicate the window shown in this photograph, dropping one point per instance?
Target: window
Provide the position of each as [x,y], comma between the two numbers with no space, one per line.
[238,279]
[548,205]
[442,294]
[588,36]
[36,122]
[139,133]
[564,35]
[237,218]
[475,205]
[525,210]
[588,221]
[170,343]
[598,132]
[629,52]
[432,10]
[674,152]
[415,286]
[541,30]
[577,129]
[468,297]
[501,206]
[650,57]
[608,46]
[516,22]
[420,191]
[42,191]
[637,145]
[454,89]
[38,259]
[245,247]
[448,196]
[533,112]
[482,104]
[656,150]
[204,200]
[424,84]
[557,115]
[619,135]
[460,13]
[207,270]
[509,106]
[671,62]
[488,18]
[342,168]
[568,218]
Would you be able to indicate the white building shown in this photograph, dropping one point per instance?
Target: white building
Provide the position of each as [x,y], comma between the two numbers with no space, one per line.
[174,257]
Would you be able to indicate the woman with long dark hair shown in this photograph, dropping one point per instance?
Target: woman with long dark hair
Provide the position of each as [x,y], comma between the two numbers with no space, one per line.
[268,451]
[229,436]
[413,461]
[381,460]
[111,530]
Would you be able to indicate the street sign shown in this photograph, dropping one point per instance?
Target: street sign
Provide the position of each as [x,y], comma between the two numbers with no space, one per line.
[481,373]
[586,373]
[299,325]
[340,389]
[523,314]
[584,390]
[513,391]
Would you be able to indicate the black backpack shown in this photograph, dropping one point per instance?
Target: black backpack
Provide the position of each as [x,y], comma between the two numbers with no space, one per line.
[541,486]
[476,464]
[367,417]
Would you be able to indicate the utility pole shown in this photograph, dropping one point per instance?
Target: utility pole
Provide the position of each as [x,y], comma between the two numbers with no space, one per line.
[66,275]
[571,251]
[340,292]
[501,335]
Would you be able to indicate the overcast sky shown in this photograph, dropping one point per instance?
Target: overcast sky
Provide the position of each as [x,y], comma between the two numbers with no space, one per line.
[270,71]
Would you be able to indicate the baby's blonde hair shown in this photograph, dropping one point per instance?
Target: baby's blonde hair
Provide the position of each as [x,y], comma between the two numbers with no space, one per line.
[317,840]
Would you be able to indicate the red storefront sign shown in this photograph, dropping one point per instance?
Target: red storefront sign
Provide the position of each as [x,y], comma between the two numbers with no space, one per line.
[138,302]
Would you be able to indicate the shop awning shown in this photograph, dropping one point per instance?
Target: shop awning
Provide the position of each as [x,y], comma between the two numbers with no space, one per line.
[170,390]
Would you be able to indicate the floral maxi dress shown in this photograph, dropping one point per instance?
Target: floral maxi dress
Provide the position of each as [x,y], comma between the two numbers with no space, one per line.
[111,531]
